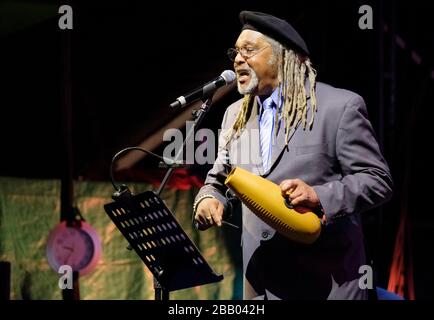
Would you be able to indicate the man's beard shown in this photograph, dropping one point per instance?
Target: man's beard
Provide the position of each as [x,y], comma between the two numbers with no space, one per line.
[253,84]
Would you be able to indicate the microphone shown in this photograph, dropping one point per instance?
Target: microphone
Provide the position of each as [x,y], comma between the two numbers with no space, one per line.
[227,77]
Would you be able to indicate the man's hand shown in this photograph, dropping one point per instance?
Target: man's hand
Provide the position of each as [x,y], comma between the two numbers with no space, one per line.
[300,193]
[209,212]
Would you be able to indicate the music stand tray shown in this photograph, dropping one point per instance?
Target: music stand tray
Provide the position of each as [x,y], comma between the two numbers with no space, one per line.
[156,236]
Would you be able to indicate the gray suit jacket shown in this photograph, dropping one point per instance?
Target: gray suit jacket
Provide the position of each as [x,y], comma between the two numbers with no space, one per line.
[341,159]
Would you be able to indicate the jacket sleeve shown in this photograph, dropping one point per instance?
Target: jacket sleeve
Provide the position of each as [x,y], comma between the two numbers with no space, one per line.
[213,186]
[366,180]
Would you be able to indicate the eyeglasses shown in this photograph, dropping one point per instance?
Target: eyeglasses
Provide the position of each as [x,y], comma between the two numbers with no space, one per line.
[246,53]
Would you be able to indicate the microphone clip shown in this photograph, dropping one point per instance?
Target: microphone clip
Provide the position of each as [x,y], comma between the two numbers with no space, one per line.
[172,164]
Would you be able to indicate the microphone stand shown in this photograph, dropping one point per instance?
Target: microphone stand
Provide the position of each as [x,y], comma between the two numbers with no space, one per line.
[198,115]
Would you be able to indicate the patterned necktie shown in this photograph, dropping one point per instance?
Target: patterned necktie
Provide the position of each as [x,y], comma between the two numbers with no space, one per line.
[266,125]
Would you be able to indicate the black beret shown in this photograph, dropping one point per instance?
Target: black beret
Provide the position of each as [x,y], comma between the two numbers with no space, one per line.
[275,28]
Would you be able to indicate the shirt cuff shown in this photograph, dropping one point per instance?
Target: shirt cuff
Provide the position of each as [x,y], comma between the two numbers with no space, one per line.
[199,199]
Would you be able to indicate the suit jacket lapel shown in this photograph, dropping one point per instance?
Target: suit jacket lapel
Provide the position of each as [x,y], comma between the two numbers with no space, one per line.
[249,142]
[279,141]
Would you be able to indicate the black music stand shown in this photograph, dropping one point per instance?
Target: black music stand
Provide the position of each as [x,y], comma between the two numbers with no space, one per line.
[153,232]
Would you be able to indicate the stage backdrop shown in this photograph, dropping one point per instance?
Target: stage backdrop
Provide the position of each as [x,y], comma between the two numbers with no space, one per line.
[29,209]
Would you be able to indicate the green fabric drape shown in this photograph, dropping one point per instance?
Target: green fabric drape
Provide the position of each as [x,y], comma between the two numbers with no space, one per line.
[29,209]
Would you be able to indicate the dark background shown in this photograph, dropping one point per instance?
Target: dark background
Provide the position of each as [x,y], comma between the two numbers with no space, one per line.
[130,59]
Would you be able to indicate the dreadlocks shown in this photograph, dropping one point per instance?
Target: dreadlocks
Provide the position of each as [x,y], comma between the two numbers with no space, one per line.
[293,69]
